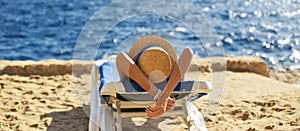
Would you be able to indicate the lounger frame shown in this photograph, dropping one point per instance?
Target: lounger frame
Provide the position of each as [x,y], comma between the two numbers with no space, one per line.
[113,103]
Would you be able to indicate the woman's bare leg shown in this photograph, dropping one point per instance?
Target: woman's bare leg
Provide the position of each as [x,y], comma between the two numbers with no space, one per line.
[127,68]
[185,60]
[123,64]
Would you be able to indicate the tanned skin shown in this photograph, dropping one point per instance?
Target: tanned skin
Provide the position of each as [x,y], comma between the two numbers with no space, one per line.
[127,68]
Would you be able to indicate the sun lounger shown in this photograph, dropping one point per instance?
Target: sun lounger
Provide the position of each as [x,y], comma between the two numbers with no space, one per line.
[113,100]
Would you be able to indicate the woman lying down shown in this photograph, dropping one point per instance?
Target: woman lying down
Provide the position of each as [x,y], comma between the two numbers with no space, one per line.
[153,60]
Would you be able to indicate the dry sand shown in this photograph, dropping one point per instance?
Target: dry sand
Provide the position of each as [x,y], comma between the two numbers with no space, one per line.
[249,102]
[254,102]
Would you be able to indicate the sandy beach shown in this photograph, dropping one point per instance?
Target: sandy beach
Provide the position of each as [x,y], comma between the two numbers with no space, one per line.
[37,97]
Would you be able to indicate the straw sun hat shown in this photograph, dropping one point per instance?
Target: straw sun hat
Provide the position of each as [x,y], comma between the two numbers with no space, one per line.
[155,57]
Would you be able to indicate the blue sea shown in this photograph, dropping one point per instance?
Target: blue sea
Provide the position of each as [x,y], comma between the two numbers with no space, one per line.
[36,30]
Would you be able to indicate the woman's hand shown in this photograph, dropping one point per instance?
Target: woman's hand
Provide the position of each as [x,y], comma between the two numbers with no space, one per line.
[162,105]
[163,101]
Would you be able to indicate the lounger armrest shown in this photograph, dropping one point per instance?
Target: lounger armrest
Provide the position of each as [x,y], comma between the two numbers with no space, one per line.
[202,86]
[113,88]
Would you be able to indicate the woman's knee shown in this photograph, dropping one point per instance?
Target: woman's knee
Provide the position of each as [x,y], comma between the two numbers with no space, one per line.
[119,60]
[188,51]
[122,57]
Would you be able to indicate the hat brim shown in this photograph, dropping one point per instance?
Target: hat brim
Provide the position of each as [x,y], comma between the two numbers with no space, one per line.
[152,41]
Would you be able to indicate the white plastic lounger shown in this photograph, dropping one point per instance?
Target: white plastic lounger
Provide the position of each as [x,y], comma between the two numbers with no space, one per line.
[113,100]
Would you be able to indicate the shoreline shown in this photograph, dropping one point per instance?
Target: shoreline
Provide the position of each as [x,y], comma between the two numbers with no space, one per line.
[250,64]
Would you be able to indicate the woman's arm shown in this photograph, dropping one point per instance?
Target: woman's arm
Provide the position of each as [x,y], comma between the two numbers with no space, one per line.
[174,79]
[163,101]
[178,72]
[127,68]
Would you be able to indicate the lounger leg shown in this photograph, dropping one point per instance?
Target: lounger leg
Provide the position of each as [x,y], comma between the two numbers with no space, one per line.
[195,117]
[119,118]
[185,116]
[108,121]
[94,114]
[93,122]
[94,109]
[100,118]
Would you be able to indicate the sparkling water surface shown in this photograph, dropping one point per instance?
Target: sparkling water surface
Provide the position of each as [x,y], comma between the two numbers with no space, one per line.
[36,30]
